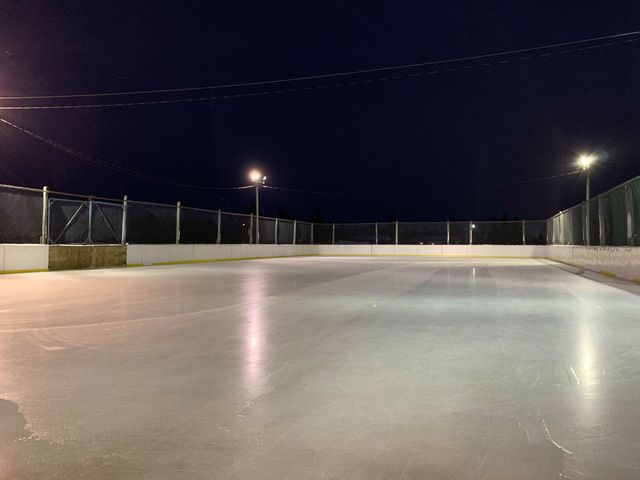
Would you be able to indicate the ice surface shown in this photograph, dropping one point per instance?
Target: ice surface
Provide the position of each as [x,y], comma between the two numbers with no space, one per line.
[320,367]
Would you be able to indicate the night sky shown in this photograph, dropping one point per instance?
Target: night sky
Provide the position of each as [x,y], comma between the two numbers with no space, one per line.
[451,134]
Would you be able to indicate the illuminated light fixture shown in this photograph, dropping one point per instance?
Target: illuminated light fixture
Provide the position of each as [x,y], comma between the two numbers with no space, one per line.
[255,176]
[585,161]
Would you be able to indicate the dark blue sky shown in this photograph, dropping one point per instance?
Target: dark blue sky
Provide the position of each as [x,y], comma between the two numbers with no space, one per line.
[451,132]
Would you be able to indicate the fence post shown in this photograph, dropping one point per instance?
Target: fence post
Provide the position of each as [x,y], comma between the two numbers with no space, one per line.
[333,234]
[295,230]
[376,233]
[524,233]
[275,241]
[45,212]
[219,233]
[396,232]
[470,232]
[250,228]
[312,229]
[629,203]
[177,223]
[123,236]
[448,232]
[89,240]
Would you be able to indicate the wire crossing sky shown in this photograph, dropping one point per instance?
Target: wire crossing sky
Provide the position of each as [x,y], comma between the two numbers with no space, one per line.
[618,39]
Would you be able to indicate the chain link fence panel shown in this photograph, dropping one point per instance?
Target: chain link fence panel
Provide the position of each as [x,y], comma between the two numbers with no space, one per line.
[613,205]
[417,233]
[572,225]
[151,223]
[106,223]
[68,221]
[535,232]
[20,215]
[387,233]
[198,226]
[323,233]
[303,233]
[634,214]
[235,228]
[458,233]
[498,233]
[285,232]
[355,233]
[267,231]
[594,222]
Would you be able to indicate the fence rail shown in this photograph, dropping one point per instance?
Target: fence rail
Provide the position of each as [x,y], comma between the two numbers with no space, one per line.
[31,215]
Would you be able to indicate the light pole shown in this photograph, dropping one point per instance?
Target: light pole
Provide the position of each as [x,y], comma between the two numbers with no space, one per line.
[584,162]
[256,177]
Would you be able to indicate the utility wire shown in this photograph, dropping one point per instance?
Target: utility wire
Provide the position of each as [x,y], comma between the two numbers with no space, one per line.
[115,167]
[414,194]
[152,178]
[628,38]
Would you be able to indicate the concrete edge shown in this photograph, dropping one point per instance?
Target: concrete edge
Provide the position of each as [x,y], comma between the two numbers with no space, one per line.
[604,273]
[33,270]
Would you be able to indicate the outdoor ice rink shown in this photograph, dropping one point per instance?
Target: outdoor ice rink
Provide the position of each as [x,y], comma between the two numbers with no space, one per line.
[320,368]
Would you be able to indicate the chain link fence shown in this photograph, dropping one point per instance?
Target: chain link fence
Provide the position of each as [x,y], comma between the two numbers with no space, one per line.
[20,215]
[198,226]
[613,219]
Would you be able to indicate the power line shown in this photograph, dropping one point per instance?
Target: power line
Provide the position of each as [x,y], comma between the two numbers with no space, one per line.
[465,68]
[424,193]
[152,178]
[625,35]
[113,166]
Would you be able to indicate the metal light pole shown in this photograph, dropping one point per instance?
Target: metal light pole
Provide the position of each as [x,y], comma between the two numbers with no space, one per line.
[585,161]
[256,177]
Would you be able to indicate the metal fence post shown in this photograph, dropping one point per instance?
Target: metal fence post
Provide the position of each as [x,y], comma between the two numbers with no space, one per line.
[524,233]
[89,240]
[276,233]
[250,228]
[448,232]
[295,228]
[376,233]
[45,211]
[219,232]
[123,236]
[177,223]
[396,232]
[628,195]
[312,228]
[333,234]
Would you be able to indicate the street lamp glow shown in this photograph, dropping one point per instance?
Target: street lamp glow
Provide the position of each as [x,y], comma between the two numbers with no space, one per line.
[255,176]
[585,161]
